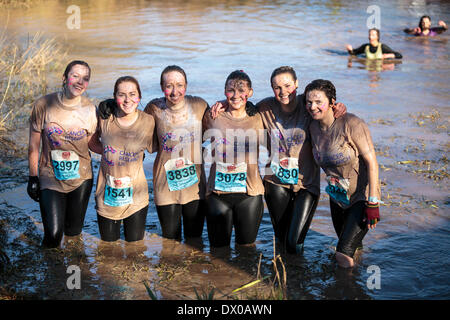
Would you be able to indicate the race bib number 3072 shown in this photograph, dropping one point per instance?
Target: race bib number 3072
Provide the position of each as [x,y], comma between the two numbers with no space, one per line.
[65,164]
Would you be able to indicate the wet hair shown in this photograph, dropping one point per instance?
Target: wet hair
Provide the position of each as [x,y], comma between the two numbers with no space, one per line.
[239,75]
[170,69]
[70,65]
[322,85]
[281,70]
[378,32]
[421,20]
[127,79]
[250,108]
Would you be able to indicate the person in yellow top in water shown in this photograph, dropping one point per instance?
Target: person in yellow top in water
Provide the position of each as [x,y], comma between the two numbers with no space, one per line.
[61,173]
[122,192]
[374,49]
[344,149]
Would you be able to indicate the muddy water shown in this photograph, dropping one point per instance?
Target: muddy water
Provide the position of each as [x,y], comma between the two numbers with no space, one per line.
[405,104]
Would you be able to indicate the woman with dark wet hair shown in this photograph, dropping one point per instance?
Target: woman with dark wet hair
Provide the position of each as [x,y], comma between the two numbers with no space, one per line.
[235,189]
[61,173]
[424,28]
[344,149]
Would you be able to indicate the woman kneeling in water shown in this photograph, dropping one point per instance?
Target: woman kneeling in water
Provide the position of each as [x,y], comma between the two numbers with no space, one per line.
[344,150]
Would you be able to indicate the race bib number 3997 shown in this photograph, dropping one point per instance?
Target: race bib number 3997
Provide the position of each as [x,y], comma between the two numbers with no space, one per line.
[65,164]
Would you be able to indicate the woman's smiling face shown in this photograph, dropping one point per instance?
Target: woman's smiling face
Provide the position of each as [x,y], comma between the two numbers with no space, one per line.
[127,97]
[237,93]
[317,104]
[77,80]
[174,87]
[284,87]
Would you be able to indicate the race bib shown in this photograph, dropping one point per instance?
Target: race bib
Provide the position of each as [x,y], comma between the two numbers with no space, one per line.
[65,164]
[338,189]
[180,174]
[231,177]
[118,191]
[286,171]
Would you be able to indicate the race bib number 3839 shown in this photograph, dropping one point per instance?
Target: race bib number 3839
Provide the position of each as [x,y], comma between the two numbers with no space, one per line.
[65,164]
[118,191]
[231,177]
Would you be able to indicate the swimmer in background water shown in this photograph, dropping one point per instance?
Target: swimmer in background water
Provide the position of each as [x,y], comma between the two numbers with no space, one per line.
[374,49]
[424,28]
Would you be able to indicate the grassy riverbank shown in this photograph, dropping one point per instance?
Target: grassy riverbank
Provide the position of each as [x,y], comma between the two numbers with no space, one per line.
[24,71]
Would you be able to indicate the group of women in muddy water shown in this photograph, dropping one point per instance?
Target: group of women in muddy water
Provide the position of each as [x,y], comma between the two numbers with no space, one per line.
[302,133]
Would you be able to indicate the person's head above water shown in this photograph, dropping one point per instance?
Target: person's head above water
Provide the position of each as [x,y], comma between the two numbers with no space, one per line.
[374,35]
[425,22]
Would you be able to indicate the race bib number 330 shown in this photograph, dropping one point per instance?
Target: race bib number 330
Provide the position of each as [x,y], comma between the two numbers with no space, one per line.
[65,164]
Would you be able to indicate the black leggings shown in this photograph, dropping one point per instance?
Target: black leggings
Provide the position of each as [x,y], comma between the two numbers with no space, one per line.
[291,213]
[349,226]
[193,214]
[63,213]
[239,209]
[133,226]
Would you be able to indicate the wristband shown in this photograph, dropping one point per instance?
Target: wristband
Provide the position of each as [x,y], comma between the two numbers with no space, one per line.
[374,200]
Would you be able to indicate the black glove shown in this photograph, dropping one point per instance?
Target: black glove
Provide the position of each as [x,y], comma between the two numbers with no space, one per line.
[250,108]
[33,188]
[106,108]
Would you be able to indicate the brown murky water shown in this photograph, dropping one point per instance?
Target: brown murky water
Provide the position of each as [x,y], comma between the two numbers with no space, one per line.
[405,104]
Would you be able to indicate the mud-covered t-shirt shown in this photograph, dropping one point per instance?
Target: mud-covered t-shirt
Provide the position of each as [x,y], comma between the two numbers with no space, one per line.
[178,173]
[235,151]
[339,150]
[121,185]
[65,161]
[292,164]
